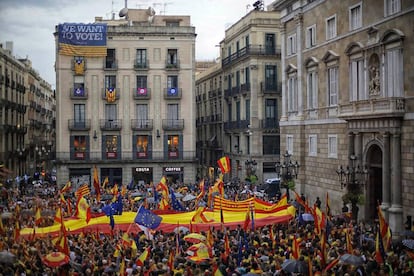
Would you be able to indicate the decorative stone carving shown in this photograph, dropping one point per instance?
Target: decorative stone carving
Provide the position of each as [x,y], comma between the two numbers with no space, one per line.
[374,76]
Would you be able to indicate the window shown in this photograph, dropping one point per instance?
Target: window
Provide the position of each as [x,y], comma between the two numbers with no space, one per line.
[291,45]
[141,58]
[311,36]
[172,57]
[142,115]
[247,104]
[110,82]
[110,61]
[142,86]
[292,94]
[355,17]
[172,115]
[172,81]
[79,115]
[111,146]
[394,72]
[312,89]
[229,112]
[271,144]
[357,81]
[142,146]
[110,112]
[270,77]
[173,146]
[332,146]
[78,86]
[79,147]
[392,6]
[270,42]
[313,142]
[332,86]
[271,118]
[289,143]
[238,117]
[331,27]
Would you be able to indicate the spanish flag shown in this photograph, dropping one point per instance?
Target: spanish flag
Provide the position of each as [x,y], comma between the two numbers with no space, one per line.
[83,210]
[96,184]
[38,216]
[224,164]
[141,259]
[67,187]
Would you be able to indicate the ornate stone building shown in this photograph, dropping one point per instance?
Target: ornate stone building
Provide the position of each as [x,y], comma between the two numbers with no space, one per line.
[348,93]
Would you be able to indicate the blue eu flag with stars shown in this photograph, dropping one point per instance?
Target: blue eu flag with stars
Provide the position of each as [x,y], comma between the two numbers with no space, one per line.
[147,218]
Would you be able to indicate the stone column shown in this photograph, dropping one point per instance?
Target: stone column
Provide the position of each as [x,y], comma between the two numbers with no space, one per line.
[284,116]
[358,148]
[386,180]
[351,145]
[299,27]
[395,211]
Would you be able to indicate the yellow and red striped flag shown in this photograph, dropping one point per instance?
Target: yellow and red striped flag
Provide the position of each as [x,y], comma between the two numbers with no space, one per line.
[96,184]
[141,259]
[38,216]
[385,230]
[67,187]
[83,191]
[224,164]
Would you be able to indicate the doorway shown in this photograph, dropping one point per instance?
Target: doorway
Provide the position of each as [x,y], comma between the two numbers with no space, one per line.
[374,184]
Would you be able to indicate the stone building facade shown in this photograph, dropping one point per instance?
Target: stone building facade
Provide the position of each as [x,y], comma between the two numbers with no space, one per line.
[131,112]
[348,98]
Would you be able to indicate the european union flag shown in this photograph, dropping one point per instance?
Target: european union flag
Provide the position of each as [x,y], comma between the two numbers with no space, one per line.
[176,205]
[115,208]
[147,218]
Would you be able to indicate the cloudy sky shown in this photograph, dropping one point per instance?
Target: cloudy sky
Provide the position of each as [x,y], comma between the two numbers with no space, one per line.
[30,23]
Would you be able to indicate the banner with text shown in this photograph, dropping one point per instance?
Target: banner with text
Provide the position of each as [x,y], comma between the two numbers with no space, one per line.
[77,39]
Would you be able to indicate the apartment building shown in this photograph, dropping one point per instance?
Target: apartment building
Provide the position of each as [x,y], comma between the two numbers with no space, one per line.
[27,112]
[130,110]
[348,101]
[239,99]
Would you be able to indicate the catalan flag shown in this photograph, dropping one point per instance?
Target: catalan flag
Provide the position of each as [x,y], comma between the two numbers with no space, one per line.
[96,184]
[224,164]
[66,188]
[83,191]
[385,230]
[379,249]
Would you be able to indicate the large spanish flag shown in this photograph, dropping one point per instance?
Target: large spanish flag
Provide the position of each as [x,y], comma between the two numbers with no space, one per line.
[224,164]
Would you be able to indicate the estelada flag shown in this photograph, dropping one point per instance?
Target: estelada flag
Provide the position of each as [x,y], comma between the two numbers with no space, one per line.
[224,164]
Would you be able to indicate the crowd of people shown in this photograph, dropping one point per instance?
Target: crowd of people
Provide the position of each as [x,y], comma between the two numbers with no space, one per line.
[258,251]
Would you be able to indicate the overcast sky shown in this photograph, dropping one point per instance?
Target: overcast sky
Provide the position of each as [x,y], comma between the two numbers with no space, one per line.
[30,23]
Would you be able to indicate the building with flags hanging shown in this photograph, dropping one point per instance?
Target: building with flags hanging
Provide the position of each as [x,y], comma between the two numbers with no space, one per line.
[125,99]
[238,99]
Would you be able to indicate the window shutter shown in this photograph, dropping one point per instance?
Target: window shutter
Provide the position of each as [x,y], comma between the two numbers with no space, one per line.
[149,151]
[72,149]
[134,146]
[103,147]
[88,150]
[181,146]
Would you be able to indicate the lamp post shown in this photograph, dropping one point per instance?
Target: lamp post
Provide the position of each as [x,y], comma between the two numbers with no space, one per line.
[286,171]
[353,177]
[251,166]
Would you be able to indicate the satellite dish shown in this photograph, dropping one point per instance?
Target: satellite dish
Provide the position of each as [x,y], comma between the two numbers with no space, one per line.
[150,11]
[123,12]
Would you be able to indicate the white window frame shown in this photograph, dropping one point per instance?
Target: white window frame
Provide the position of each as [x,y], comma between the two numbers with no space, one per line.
[394,72]
[355,19]
[330,34]
[312,89]
[332,146]
[313,145]
[291,45]
[332,85]
[289,143]
[392,7]
[311,36]
[292,90]
[357,80]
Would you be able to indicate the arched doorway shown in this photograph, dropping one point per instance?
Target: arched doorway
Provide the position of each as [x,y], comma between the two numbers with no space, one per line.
[374,185]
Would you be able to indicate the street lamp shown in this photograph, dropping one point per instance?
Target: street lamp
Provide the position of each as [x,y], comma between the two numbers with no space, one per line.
[286,171]
[353,177]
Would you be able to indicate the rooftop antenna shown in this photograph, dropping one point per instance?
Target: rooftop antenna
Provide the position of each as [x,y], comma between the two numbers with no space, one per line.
[164,6]
[124,11]
[247,8]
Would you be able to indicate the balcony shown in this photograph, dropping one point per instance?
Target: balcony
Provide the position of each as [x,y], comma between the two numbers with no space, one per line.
[172,65]
[173,124]
[110,65]
[271,88]
[269,123]
[141,93]
[172,93]
[251,50]
[142,124]
[78,94]
[373,108]
[236,125]
[110,124]
[79,125]
[111,98]
[141,65]
[89,156]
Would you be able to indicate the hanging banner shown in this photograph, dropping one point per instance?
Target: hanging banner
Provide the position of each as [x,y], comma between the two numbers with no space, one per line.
[78,39]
